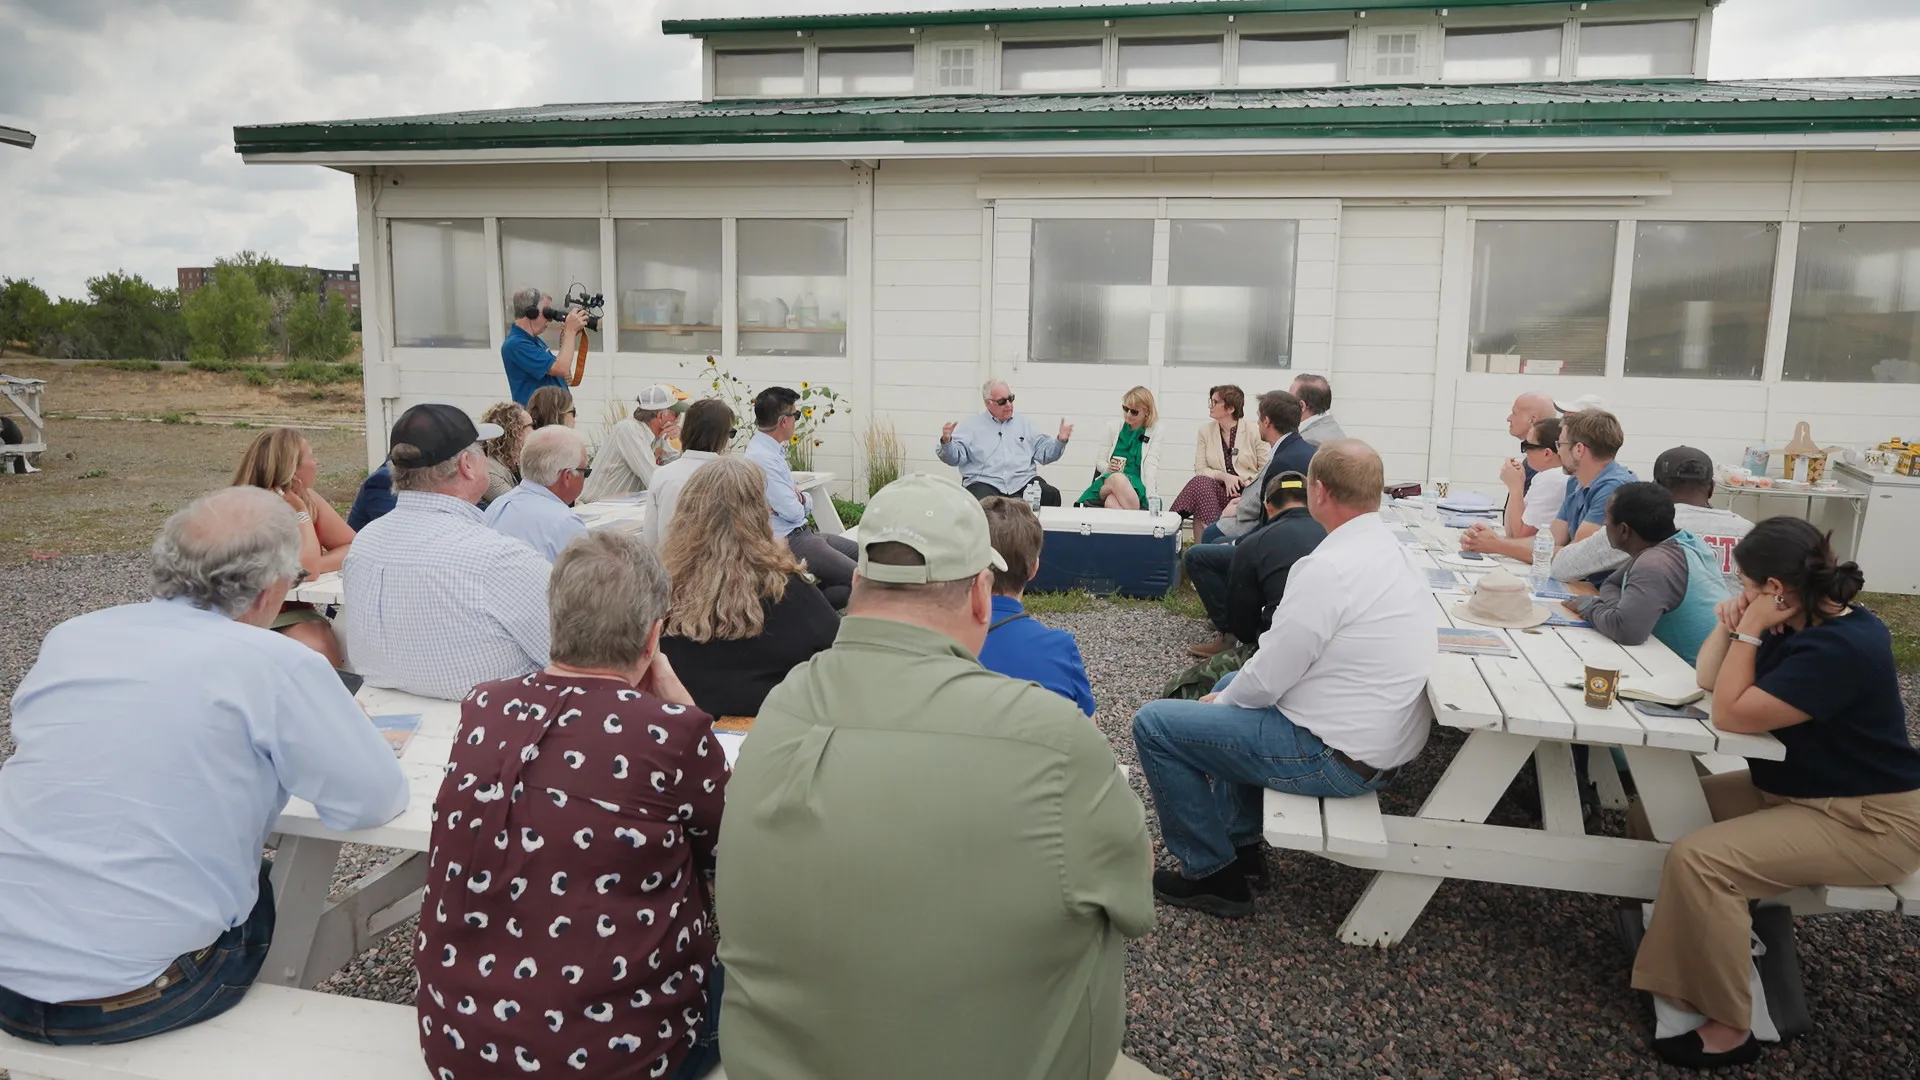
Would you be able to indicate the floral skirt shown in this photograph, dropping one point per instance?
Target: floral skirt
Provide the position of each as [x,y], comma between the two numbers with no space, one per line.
[1202,500]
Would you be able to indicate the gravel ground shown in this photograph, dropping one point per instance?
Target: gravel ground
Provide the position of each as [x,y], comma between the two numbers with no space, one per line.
[1493,981]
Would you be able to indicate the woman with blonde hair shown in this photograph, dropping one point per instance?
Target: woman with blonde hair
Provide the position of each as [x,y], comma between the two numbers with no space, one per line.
[743,610]
[551,405]
[281,460]
[1122,481]
[503,453]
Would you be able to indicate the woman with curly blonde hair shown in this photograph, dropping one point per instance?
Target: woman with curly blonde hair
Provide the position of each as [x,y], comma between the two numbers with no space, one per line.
[503,453]
[281,460]
[744,613]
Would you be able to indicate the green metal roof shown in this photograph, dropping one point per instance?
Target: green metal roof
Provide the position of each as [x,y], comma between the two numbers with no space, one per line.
[1596,108]
[879,20]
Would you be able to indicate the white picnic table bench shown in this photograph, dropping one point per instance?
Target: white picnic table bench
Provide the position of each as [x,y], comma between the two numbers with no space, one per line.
[1520,709]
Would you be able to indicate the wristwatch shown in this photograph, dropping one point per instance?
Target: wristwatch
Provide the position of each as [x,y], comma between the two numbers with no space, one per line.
[1748,638]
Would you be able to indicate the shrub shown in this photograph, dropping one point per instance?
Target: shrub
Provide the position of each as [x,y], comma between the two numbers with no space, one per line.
[211,363]
[255,375]
[885,456]
[850,512]
[173,418]
[133,365]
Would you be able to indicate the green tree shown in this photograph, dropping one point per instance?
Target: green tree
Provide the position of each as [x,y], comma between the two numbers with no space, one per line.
[129,318]
[228,317]
[319,331]
[26,313]
[282,286]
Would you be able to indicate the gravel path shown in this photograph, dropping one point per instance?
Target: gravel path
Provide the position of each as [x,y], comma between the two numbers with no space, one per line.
[1493,981]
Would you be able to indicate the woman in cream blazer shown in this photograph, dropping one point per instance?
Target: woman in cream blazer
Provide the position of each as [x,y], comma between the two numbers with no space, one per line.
[1227,454]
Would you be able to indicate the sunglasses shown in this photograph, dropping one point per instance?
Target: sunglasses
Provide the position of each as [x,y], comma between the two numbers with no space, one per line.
[584,471]
[1526,446]
[732,432]
[573,412]
[1008,400]
[303,575]
[1131,411]
[794,415]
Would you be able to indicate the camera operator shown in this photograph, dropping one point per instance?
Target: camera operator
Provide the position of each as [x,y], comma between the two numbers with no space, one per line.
[530,364]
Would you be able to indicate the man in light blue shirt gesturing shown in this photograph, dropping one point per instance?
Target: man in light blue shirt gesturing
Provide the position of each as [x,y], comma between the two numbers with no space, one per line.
[158,743]
[997,452]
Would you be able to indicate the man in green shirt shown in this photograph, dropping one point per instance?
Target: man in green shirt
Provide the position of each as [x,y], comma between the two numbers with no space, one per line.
[927,869]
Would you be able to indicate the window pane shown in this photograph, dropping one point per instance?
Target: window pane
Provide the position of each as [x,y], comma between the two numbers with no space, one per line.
[1396,56]
[1050,65]
[1230,293]
[1157,62]
[759,73]
[956,67]
[793,288]
[1632,50]
[1092,291]
[1293,59]
[1700,294]
[1541,290]
[887,69]
[1503,54]
[1856,304]
[669,273]
[552,255]
[439,284]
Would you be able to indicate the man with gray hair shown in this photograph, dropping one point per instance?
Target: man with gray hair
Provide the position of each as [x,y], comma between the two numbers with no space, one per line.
[997,452]
[530,364]
[553,468]
[434,601]
[865,766]
[158,743]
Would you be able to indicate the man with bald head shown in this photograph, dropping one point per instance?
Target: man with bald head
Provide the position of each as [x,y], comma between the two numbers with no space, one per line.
[1331,704]
[997,451]
[1529,409]
[539,512]
[158,743]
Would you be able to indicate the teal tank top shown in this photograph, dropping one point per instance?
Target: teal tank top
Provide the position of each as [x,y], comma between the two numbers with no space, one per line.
[1684,628]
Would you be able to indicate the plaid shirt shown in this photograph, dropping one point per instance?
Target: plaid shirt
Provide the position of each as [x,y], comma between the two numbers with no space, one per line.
[435,602]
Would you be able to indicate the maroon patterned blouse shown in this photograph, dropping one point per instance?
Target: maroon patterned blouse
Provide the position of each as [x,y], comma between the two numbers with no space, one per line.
[565,926]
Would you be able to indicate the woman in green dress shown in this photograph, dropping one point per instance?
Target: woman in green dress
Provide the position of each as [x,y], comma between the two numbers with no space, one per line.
[1124,479]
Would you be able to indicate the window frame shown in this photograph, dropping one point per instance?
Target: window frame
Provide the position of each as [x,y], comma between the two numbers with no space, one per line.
[1701,29]
[1105,42]
[1447,31]
[913,66]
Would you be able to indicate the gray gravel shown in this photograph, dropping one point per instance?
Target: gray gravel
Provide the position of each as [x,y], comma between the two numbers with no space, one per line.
[1493,981]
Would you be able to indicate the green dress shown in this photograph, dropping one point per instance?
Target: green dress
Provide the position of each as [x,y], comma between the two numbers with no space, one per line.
[1128,449]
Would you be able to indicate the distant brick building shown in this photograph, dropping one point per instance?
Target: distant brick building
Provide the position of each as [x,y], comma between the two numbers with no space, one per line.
[343,284]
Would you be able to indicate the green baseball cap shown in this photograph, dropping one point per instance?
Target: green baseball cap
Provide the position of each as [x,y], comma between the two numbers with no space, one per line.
[934,516]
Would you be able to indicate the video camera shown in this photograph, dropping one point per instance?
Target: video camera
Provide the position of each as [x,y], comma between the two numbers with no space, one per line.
[577,297]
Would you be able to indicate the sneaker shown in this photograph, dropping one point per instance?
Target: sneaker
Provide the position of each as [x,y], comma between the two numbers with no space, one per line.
[1207,650]
[1224,892]
[1251,862]
[1687,1051]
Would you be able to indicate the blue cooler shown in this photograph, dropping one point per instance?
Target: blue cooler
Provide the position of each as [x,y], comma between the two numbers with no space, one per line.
[1131,552]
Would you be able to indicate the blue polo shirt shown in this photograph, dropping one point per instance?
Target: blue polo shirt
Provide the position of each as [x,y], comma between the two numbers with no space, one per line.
[1023,648]
[1589,503]
[527,360]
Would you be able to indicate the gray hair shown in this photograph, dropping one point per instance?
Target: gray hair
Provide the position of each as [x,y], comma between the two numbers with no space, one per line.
[431,477]
[607,593]
[526,303]
[225,548]
[986,388]
[548,453]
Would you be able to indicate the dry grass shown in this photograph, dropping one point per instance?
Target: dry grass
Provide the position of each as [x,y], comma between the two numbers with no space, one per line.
[885,455]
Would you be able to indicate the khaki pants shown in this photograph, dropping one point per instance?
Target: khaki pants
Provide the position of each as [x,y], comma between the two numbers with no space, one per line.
[1696,952]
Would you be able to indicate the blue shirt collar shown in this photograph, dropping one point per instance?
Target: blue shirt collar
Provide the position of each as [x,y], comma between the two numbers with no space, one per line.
[542,489]
[1007,605]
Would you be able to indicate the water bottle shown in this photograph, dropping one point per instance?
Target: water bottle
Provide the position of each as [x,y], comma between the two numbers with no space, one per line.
[1542,561]
[1033,495]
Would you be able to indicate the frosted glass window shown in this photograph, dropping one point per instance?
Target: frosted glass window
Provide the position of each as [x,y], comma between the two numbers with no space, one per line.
[886,69]
[793,287]
[1396,56]
[1151,63]
[669,274]
[1092,291]
[552,255]
[760,73]
[956,67]
[1502,54]
[1230,293]
[1698,309]
[1051,65]
[1541,290]
[1293,59]
[439,284]
[1856,304]
[1636,50]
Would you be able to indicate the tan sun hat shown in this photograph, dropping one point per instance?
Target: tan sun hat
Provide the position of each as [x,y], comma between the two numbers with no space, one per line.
[1500,599]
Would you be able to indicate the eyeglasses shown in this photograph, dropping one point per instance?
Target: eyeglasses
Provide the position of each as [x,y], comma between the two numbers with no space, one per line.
[794,415]
[1131,411]
[303,575]
[573,412]
[732,432]
[584,471]
[1526,446]
[1008,400]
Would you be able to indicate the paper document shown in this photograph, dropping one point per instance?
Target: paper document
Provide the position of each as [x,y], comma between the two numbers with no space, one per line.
[398,729]
[1473,642]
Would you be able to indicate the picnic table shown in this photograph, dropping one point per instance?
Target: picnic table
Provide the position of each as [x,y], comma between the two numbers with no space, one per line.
[1518,709]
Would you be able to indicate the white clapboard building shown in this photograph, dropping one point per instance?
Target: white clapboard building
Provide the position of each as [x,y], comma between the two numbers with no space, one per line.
[1436,205]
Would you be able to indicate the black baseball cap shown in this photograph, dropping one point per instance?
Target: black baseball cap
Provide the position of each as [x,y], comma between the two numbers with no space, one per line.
[1683,463]
[435,433]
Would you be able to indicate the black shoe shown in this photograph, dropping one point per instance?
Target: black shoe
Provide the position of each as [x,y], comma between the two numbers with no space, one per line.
[1224,892]
[1688,1052]
[1251,862]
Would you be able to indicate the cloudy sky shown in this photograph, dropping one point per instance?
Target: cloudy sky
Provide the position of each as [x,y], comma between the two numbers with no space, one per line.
[135,101]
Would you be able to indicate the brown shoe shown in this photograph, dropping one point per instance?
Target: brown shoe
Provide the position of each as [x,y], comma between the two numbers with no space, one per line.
[1207,650]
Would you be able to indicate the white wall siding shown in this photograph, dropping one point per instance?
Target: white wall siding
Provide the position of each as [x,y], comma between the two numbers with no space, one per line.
[1387,331]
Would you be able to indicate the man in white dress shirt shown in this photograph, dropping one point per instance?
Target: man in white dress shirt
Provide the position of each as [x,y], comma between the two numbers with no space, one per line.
[158,743]
[1332,704]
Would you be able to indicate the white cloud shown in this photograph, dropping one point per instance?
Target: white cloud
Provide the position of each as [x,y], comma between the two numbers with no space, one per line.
[135,105]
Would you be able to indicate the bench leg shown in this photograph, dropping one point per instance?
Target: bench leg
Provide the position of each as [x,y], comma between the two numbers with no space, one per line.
[1388,909]
[379,902]
[302,875]
[1670,791]
[1606,780]
[1559,791]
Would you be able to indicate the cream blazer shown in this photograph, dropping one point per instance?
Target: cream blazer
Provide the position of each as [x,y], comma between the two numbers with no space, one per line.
[1149,455]
[1249,452]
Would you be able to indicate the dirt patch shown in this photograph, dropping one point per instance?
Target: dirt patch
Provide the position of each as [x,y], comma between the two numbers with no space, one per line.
[92,388]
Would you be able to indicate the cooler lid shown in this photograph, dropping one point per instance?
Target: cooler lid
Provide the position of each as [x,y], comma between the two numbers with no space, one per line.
[1108,522]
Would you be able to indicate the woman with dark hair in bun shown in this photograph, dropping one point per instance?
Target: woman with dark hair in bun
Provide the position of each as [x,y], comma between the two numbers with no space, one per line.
[1792,655]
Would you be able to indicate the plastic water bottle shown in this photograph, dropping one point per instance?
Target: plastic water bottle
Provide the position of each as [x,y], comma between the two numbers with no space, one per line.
[1033,495]
[1542,561]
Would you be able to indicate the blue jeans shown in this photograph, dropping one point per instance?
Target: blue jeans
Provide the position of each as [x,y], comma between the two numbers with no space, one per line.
[705,1055]
[213,981]
[1212,535]
[1209,566]
[1207,765]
